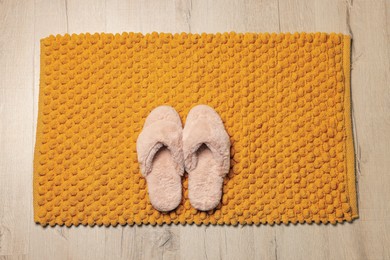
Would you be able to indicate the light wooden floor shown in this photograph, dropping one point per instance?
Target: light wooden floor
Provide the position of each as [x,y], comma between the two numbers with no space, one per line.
[24,22]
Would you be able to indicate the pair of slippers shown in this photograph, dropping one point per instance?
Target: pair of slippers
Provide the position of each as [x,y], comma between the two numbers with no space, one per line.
[165,150]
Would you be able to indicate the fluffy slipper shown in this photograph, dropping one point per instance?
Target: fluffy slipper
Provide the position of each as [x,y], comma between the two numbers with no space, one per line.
[160,156]
[206,148]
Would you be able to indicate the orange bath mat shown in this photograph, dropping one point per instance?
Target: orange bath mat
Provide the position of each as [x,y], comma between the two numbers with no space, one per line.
[284,100]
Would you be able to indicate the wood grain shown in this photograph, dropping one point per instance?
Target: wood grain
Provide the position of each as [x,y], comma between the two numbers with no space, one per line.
[23,23]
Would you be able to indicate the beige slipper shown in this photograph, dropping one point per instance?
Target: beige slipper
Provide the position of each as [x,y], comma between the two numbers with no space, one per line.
[206,148]
[160,155]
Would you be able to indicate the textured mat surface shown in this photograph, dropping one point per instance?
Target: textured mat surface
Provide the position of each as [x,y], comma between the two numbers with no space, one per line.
[284,99]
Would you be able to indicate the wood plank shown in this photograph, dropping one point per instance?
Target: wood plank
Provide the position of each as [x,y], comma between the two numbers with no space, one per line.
[83,17]
[368,237]
[50,18]
[226,242]
[307,241]
[365,238]
[16,104]
[144,242]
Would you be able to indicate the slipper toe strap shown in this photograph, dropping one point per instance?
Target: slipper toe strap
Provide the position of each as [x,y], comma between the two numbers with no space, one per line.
[214,137]
[153,138]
